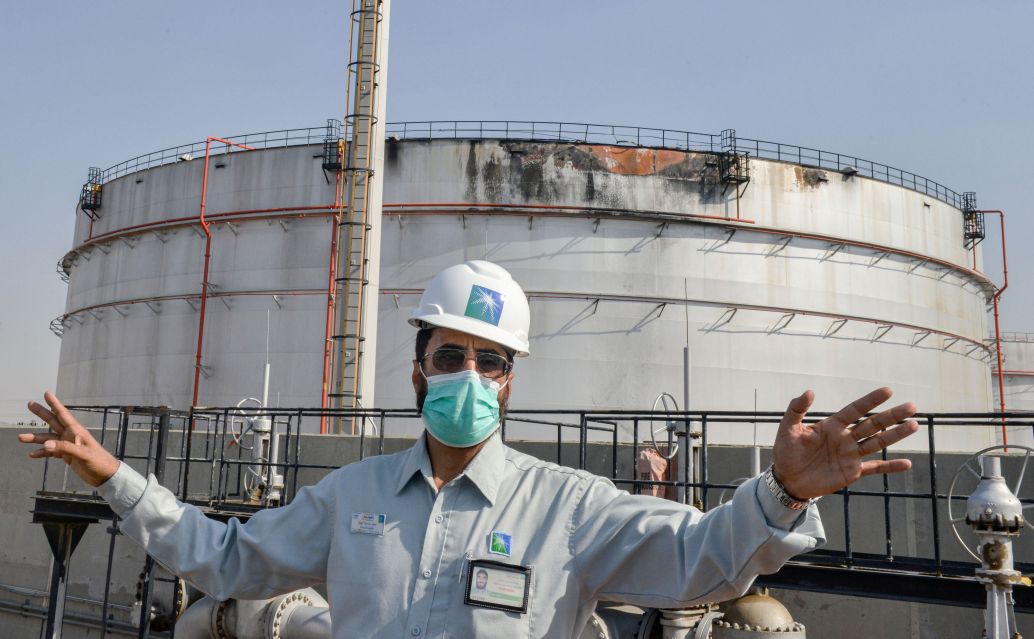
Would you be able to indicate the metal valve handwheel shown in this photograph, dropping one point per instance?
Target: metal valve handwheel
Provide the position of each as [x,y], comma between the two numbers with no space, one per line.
[668,404]
[969,465]
[248,418]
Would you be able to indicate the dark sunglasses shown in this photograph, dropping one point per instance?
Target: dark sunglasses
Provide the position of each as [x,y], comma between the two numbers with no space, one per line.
[451,360]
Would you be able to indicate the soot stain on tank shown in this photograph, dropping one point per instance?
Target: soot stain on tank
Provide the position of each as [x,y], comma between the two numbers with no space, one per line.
[392,152]
[492,178]
[472,172]
[809,178]
[531,178]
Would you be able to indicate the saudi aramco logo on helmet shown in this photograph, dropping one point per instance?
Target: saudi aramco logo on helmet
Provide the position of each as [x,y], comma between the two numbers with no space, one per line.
[485,305]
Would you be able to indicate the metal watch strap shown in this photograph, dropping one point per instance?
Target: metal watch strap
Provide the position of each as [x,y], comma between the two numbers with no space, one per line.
[780,493]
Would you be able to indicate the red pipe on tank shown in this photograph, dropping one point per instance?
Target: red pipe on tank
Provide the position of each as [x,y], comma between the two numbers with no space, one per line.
[998,332]
[332,272]
[208,259]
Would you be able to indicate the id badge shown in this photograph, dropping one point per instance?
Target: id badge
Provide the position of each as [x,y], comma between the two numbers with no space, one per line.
[493,584]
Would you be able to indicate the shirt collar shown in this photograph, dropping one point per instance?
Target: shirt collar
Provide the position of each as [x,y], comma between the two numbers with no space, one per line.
[485,471]
[417,461]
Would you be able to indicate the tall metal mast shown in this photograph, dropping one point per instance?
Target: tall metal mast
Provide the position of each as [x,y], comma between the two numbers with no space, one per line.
[357,260]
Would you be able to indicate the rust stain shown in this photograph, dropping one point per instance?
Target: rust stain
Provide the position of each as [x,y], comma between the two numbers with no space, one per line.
[810,178]
[625,161]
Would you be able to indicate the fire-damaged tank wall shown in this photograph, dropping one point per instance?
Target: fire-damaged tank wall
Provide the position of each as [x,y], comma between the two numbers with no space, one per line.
[796,278]
[823,281]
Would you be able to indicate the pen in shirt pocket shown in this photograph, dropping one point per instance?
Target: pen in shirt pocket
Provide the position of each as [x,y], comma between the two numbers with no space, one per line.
[463,564]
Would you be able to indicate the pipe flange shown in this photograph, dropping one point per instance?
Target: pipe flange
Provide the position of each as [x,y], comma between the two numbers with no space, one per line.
[219,618]
[596,628]
[736,629]
[276,613]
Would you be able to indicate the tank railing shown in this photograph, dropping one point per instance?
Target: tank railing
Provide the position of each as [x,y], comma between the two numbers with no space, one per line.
[574,132]
[187,152]
[673,139]
[518,130]
[848,165]
[1014,337]
[216,454]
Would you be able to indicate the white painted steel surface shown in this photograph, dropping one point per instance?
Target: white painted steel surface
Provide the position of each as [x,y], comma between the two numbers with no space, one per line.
[1018,367]
[143,353]
[609,306]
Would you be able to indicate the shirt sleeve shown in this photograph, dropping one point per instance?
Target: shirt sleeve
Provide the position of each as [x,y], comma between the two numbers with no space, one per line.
[276,551]
[655,552]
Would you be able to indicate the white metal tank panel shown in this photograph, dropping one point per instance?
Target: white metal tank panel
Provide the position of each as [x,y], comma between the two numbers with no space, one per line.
[1018,371]
[807,279]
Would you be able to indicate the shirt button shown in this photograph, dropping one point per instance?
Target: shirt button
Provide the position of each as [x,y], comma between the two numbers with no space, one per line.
[438,519]
[427,575]
[416,631]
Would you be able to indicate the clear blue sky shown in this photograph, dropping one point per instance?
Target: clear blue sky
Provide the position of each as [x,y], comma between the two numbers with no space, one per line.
[943,89]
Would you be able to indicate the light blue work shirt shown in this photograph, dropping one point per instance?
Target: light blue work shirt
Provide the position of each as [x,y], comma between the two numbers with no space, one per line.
[583,540]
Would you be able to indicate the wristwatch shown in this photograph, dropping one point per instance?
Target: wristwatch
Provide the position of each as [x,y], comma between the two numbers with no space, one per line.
[783,497]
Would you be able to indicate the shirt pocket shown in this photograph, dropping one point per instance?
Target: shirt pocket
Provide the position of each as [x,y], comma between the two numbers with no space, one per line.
[479,621]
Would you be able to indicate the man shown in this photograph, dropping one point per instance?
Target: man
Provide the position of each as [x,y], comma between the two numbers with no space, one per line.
[397,538]
[482,579]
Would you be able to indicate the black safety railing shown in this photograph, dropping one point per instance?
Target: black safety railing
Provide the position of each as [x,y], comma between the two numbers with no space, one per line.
[187,152]
[882,531]
[1013,337]
[517,130]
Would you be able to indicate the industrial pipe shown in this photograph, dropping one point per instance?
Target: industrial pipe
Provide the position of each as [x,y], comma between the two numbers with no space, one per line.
[198,621]
[208,257]
[302,614]
[998,332]
[545,207]
[459,208]
[551,210]
[174,222]
[729,305]
[331,285]
[305,622]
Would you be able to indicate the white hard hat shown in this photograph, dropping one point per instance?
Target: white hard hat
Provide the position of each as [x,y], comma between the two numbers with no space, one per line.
[479,298]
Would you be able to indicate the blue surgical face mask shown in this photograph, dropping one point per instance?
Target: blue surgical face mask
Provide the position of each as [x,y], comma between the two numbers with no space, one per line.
[461,409]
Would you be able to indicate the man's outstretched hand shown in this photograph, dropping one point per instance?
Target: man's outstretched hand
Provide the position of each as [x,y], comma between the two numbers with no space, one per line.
[70,442]
[811,460]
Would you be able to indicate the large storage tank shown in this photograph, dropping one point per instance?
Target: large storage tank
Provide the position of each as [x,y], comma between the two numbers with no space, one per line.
[782,272]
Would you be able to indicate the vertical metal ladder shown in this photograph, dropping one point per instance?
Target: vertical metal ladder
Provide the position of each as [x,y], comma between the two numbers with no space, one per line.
[352,259]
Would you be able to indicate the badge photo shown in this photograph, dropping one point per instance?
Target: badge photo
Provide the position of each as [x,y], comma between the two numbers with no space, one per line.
[493,584]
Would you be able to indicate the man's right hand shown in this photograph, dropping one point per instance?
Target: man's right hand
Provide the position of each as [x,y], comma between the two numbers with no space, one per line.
[70,442]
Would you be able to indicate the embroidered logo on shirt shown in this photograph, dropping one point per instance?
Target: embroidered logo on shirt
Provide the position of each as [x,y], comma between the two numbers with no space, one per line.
[499,544]
[485,304]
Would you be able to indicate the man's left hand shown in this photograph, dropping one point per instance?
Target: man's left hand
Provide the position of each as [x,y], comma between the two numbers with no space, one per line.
[811,460]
